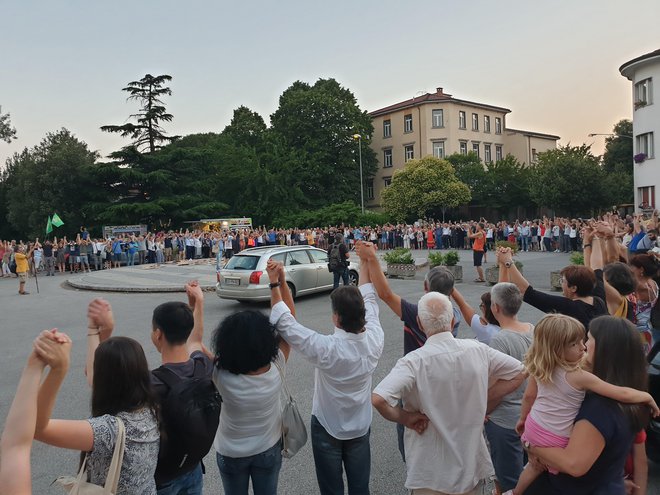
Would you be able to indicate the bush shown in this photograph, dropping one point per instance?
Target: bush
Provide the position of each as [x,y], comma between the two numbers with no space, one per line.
[451,258]
[347,213]
[435,259]
[399,256]
[507,244]
[577,259]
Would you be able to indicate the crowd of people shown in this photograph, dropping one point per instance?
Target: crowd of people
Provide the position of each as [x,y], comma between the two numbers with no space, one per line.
[569,393]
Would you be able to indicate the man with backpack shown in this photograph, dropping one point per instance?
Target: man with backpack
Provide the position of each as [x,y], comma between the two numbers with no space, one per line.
[190,403]
[338,260]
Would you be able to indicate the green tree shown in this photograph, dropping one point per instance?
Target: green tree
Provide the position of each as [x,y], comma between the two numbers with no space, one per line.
[471,172]
[317,123]
[424,186]
[619,148]
[56,175]
[508,184]
[147,133]
[7,132]
[246,127]
[569,180]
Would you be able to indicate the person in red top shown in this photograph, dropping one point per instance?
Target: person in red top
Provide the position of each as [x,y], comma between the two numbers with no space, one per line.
[636,468]
[430,239]
[478,241]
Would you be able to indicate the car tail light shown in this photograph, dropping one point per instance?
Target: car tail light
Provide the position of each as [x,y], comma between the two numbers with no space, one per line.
[255,276]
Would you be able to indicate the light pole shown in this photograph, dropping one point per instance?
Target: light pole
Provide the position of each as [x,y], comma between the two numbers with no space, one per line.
[610,134]
[359,140]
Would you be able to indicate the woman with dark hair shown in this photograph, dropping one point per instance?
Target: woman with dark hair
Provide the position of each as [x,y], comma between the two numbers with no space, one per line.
[121,389]
[604,429]
[250,359]
[577,283]
[484,325]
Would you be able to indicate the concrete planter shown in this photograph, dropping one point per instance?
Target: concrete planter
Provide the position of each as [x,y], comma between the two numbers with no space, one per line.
[493,274]
[456,271]
[555,280]
[401,270]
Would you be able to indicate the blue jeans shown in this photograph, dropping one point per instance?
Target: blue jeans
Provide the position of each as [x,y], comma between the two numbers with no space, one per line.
[340,272]
[506,452]
[330,453]
[130,259]
[263,468]
[188,484]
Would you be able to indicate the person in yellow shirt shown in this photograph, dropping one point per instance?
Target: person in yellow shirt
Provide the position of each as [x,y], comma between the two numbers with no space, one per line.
[22,267]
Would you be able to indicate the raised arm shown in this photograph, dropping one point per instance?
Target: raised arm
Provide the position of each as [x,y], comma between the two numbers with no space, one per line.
[16,442]
[195,340]
[382,287]
[100,324]
[504,258]
[278,294]
[463,306]
[584,380]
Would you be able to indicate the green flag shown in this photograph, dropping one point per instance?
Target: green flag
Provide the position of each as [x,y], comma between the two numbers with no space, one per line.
[49,226]
[57,221]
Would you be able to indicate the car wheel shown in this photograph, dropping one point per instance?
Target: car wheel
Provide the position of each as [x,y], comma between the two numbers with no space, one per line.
[353,277]
[292,289]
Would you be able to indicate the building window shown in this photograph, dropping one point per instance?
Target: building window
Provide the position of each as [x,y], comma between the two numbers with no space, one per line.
[408,152]
[646,197]
[370,189]
[645,144]
[387,128]
[462,146]
[387,158]
[487,157]
[475,149]
[486,123]
[535,155]
[387,181]
[439,149]
[438,119]
[475,122]
[498,153]
[643,94]
[498,125]
[407,123]
[461,120]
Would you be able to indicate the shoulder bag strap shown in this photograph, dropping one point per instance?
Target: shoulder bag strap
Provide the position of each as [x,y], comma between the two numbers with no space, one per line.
[112,480]
[286,389]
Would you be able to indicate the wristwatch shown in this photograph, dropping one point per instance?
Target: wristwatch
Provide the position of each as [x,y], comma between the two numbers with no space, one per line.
[276,284]
[507,264]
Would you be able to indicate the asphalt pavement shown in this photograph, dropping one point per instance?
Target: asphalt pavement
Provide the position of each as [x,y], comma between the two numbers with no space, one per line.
[61,306]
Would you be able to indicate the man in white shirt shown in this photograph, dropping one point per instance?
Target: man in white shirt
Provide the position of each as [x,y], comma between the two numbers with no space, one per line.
[345,361]
[445,388]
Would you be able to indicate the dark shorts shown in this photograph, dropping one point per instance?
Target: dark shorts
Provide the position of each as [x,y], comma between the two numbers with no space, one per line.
[477,257]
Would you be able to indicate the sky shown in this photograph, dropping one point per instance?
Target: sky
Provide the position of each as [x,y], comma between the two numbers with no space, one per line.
[555,64]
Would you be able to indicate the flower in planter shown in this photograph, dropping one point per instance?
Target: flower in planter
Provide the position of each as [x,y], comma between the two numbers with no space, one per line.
[436,259]
[640,104]
[640,157]
[399,256]
[451,258]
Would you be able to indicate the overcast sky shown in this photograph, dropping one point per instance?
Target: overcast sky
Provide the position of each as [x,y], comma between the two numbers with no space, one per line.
[553,63]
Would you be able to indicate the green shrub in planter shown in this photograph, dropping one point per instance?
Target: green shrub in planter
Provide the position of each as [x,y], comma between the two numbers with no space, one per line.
[577,259]
[399,256]
[507,244]
[435,259]
[451,258]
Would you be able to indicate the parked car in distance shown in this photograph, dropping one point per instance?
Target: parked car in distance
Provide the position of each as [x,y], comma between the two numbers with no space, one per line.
[244,277]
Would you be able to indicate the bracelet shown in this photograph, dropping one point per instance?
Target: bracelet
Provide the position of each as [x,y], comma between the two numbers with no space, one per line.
[586,246]
[273,286]
[93,333]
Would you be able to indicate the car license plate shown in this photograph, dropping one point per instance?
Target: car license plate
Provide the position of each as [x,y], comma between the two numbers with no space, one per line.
[233,281]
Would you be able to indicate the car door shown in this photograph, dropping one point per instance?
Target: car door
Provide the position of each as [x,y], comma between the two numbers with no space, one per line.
[325,279]
[300,270]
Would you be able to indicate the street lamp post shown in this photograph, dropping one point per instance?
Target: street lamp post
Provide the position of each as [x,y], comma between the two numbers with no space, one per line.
[359,139]
[614,135]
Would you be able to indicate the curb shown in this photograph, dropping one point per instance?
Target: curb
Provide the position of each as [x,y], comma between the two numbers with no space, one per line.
[108,288]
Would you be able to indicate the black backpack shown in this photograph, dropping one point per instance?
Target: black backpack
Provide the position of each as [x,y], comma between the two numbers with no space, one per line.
[12,266]
[190,411]
[334,260]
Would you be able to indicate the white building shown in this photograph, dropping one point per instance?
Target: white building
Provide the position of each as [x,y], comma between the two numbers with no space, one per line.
[644,71]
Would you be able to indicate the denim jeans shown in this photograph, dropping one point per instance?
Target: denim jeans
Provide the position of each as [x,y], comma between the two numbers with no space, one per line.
[340,272]
[188,484]
[329,455]
[506,452]
[263,469]
[130,259]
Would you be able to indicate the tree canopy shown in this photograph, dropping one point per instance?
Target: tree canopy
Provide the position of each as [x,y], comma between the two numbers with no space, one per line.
[147,133]
[7,132]
[422,186]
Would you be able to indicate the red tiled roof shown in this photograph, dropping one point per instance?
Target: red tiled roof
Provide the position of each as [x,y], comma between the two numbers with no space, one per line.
[431,98]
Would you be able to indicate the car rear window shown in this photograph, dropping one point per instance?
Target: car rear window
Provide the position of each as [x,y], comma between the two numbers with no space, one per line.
[239,262]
